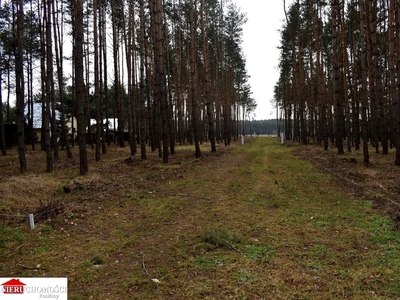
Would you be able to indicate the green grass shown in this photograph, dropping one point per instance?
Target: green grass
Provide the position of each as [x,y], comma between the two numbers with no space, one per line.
[253,222]
[222,238]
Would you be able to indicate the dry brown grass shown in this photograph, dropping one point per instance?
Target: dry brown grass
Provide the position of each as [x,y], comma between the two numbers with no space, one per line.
[378,180]
[248,222]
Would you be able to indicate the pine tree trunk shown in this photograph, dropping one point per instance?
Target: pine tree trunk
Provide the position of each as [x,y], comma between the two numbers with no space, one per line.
[371,44]
[193,76]
[2,132]
[79,84]
[99,121]
[104,90]
[397,103]
[49,77]
[117,88]
[354,88]
[393,92]
[339,134]
[142,99]
[160,77]
[19,86]
[129,39]
[54,137]
[380,124]
[208,101]
[150,107]
[346,73]
[321,83]
[178,81]
[364,87]
[58,36]
[104,129]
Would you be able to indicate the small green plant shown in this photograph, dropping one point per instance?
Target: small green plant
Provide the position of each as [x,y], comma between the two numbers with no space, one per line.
[73,216]
[96,260]
[19,236]
[315,266]
[133,197]
[245,277]
[205,263]
[258,252]
[47,228]
[221,238]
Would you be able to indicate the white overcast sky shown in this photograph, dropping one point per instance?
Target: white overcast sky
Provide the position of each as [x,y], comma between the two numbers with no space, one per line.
[260,41]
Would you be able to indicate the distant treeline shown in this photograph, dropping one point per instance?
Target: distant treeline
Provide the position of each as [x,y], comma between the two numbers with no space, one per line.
[261,127]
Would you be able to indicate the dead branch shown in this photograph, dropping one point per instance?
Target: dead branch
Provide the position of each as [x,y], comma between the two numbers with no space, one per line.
[143,265]
[182,195]
[16,249]
[38,267]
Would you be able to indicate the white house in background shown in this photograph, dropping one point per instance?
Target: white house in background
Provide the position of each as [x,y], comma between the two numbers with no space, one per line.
[72,126]
[37,118]
[37,114]
[112,123]
[112,127]
[70,122]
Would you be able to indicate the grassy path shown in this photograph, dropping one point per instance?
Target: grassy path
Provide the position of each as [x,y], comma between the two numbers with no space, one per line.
[255,222]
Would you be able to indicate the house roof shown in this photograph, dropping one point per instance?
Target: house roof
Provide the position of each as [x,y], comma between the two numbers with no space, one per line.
[110,123]
[13,282]
[37,114]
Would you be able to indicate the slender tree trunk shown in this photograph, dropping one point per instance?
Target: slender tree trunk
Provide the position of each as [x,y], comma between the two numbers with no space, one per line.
[154,83]
[393,92]
[2,132]
[9,90]
[99,121]
[117,88]
[142,99]
[150,107]
[339,134]
[48,84]
[311,94]
[30,84]
[380,124]
[346,74]
[102,96]
[364,91]
[371,44]
[321,83]
[169,87]
[129,39]
[79,84]
[295,82]
[396,103]
[104,91]
[302,101]
[50,80]
[193,77]
[58,39]
[42,26]
[160,77]
[353,79]
[86,57]
[19,86]
[208,101]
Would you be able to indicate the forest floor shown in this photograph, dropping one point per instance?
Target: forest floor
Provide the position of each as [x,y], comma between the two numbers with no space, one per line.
[252,221]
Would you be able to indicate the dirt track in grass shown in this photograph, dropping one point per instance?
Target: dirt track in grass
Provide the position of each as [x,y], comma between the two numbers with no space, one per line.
[253,221]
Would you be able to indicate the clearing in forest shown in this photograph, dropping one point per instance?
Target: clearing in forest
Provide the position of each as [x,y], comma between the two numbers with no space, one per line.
[252,221]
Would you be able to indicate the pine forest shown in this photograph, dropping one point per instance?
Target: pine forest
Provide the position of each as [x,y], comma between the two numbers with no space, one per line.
[148,74]
[339,75]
